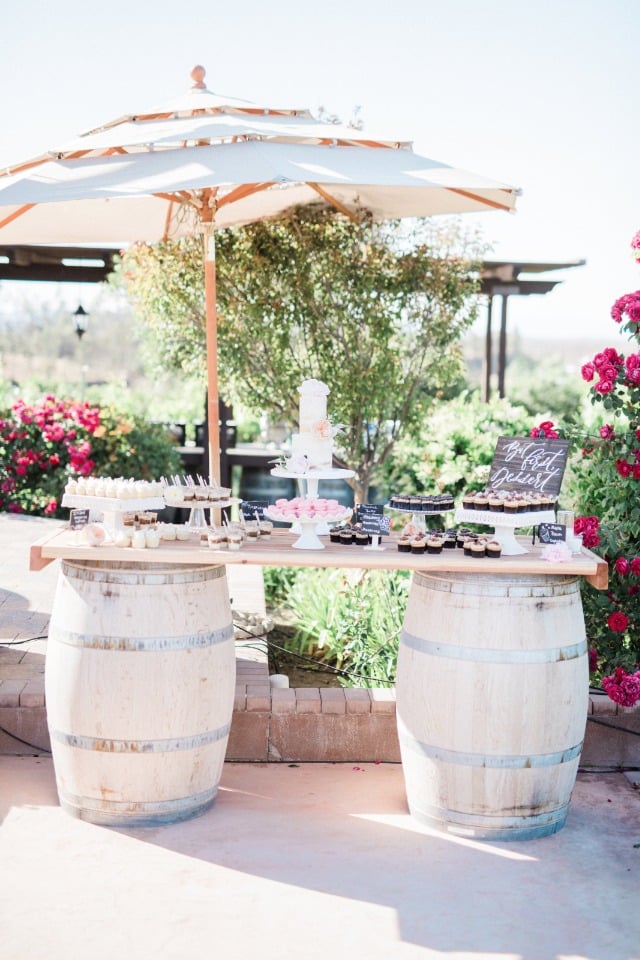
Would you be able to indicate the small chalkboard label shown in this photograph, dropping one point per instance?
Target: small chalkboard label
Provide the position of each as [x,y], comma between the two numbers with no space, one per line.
[371,517]
[552,532]
[529,463]
[253,509]
[78,519]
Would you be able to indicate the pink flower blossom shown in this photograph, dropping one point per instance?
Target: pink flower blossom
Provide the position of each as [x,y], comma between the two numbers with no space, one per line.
[623,468]
[588,372]
[607,432]
[593,660]
[635,566]
[544,429]
[604,386]
[622,566]
[623,687]
[556,552]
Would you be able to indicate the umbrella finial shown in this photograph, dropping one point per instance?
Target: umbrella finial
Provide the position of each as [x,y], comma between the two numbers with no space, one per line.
[197,75]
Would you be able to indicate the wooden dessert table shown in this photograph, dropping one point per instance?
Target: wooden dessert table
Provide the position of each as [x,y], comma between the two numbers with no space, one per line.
[491,689]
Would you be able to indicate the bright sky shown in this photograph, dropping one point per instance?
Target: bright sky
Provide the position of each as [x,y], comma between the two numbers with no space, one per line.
[541,95]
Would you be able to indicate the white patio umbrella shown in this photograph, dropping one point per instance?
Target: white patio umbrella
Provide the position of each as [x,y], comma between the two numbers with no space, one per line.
[203,162]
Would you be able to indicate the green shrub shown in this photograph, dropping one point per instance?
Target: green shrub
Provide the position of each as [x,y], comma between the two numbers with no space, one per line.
[45,443]
[351,619]
[455,447]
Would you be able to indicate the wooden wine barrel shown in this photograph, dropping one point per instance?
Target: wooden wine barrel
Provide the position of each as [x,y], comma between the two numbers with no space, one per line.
[492,694]
[139,681]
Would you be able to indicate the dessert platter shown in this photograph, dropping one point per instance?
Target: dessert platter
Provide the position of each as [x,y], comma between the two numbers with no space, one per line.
[306,513]
[421,505]
[113,498]
[197,497]
[506,512]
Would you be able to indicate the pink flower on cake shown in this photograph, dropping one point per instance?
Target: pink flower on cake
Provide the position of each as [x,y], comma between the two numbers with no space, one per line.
[297,464]
[321,429]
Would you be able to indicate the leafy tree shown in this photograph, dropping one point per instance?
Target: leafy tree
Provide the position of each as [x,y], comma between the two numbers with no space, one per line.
[376,311]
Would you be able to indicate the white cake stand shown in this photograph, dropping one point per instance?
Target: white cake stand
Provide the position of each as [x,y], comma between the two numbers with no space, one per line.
[308,529]
[308,483]
[505,525]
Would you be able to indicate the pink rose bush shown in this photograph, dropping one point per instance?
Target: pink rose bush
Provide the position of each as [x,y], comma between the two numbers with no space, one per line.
[44,443]
[608,503]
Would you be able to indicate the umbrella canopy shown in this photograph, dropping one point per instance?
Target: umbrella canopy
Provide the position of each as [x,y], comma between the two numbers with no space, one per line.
[204,161]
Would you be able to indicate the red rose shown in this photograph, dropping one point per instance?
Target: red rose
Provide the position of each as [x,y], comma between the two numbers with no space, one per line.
[607,431]
[635,566]
[588,372]
[618,622]
[623,468]
[604,386]
[622,565]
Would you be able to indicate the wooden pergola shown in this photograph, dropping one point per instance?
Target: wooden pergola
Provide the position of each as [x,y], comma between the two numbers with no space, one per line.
[501,278]
[56,264]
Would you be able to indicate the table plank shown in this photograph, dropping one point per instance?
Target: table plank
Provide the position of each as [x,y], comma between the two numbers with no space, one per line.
[278,550]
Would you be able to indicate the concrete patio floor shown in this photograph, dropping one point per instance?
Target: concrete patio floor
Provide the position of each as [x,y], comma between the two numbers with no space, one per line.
[313,861]
[304,861]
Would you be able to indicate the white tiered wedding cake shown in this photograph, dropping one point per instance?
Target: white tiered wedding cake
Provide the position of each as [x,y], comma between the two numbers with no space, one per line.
[315,439]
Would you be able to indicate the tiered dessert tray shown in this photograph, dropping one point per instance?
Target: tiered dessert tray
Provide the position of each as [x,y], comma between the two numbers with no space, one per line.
[308,528]
[308,483]
[112,508]
[505,525]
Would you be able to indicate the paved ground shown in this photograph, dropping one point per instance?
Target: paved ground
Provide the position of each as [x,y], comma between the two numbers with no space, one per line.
[313,862]
[303,861]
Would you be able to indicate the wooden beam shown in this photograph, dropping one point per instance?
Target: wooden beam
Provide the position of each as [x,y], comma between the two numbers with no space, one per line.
[334,203]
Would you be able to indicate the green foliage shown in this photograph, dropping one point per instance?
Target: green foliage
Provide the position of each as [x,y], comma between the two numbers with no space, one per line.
[546,387]
[278,583]
[375,313]
[352,619]
[455,446]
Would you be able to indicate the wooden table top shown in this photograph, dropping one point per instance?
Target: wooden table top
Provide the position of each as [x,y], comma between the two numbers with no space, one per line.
[278,551]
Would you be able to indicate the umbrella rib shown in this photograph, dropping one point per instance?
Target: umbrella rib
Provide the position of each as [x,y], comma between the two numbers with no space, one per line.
[334,203]
[16,214]
[247,190]
[483,200]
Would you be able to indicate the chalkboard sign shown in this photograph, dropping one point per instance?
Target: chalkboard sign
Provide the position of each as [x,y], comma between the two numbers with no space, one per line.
[371,517]
[253,509]
[552,532]
[78,519]
[529,463]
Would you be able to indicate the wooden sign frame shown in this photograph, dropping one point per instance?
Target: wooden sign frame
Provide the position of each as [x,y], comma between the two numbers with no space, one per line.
[534,464]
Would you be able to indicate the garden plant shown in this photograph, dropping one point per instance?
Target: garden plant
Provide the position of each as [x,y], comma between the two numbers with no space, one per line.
[608,501]
[44,443]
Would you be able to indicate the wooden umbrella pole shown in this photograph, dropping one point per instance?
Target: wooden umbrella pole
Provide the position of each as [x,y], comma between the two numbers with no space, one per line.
[211,327]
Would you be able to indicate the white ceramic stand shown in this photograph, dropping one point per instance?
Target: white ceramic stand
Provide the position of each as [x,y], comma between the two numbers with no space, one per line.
[505,526]
[375,543]
[308,485]
[308,539]
[112,508]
